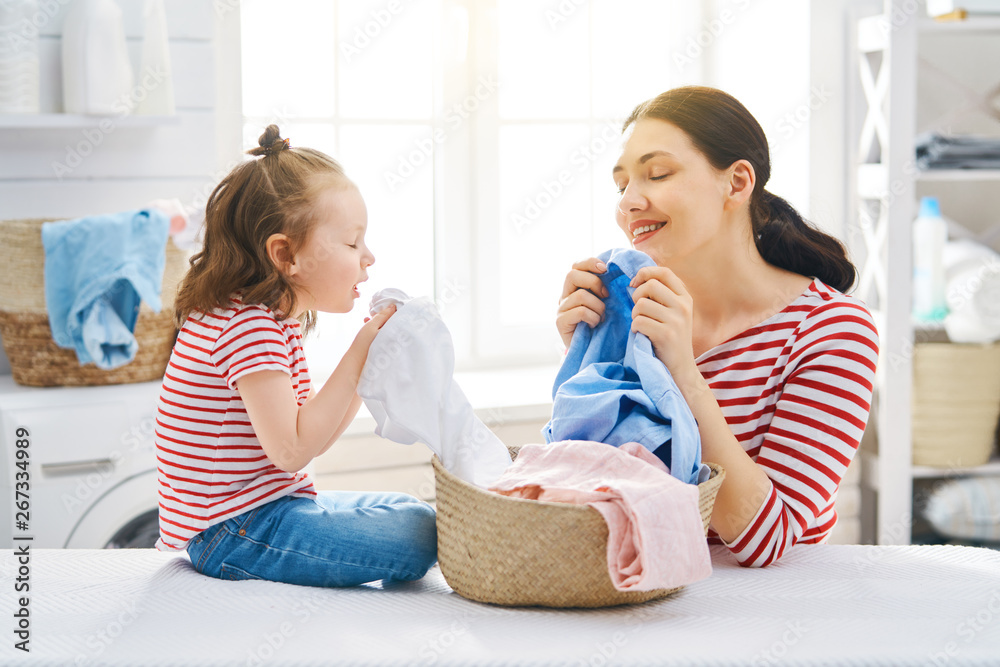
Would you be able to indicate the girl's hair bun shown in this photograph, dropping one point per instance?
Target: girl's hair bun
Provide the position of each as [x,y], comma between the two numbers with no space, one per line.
[270,142]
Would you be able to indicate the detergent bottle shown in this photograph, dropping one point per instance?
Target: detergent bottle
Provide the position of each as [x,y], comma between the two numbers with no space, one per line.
[930,234]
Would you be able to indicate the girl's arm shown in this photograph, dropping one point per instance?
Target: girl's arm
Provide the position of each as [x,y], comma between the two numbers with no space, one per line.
[352,410]
[292,435]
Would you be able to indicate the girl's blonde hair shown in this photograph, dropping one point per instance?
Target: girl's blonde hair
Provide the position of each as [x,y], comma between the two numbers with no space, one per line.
[273,194]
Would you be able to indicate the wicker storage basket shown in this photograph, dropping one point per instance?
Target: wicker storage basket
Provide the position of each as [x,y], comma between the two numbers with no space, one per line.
[517,552]
[34,357]
[956,403]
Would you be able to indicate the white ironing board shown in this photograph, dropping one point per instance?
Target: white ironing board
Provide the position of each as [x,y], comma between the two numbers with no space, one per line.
[820,605]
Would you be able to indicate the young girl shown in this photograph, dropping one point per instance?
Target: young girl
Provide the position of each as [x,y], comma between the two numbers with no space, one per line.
[746,309]
[238,418]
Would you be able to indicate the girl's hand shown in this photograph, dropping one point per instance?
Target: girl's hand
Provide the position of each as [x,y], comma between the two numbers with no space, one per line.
[581,298]
[663,311]
[363,341]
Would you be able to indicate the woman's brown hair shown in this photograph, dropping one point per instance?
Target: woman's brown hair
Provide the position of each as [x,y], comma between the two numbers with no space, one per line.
[724,131]
[272,194]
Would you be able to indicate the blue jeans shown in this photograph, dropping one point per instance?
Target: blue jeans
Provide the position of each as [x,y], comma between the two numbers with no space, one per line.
[340,538]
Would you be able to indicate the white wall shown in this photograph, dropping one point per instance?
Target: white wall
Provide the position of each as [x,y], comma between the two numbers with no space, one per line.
[761,57]
[116,167]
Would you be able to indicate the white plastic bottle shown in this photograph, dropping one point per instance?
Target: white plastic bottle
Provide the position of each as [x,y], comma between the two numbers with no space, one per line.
[930,234]
[97,72]
[155,76]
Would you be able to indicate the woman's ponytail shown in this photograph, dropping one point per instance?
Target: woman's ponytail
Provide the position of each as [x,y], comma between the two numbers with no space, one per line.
[725,132]
[785,240]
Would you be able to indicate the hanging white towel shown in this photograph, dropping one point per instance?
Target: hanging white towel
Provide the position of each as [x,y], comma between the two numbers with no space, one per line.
[408,386]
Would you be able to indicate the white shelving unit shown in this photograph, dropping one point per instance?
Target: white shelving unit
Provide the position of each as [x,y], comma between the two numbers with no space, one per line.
[884,191]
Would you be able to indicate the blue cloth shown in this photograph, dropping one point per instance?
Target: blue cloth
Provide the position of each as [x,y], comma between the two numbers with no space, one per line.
[340,538]
[97,271]
[613,389]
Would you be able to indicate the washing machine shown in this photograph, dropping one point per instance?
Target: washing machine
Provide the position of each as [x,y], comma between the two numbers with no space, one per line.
[91,465]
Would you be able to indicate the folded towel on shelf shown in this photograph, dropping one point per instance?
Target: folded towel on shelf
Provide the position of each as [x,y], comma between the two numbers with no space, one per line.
[98,270]
[407,384]
[656,537]
[612,388]
[972,274]
[936,151]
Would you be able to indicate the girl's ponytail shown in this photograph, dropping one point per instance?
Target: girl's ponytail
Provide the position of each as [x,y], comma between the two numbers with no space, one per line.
[269,143]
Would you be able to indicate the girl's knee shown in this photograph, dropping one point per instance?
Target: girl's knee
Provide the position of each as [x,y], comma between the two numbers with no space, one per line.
[420,538]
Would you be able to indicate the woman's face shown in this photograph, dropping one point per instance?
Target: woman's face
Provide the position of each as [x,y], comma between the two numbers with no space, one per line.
[671,197]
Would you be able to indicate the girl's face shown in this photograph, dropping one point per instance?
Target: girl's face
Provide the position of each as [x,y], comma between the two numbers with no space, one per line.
[671,197]
[334,258]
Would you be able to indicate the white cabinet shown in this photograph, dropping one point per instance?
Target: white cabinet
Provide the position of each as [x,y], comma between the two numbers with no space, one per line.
[893,73]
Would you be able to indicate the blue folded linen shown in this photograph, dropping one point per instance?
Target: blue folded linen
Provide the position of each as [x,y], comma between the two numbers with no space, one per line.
[612,388]
[98,269]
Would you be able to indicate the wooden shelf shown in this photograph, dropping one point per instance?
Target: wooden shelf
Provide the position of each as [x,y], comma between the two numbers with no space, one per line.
[47,121]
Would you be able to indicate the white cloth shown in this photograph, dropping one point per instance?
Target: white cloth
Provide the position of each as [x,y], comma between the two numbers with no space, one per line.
[408,386]
[972,272]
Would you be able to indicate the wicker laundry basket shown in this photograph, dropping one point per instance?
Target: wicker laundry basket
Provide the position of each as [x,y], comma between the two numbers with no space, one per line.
[34,357]
[955,404]
[518,552]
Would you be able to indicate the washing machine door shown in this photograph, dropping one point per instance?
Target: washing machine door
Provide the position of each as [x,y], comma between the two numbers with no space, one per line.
[126,515]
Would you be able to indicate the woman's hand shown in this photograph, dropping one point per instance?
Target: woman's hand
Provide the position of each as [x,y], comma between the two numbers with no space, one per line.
[581,298]
[663,311]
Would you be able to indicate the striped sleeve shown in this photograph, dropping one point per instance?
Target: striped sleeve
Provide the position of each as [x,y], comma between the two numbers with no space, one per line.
[249,343]
[818,422]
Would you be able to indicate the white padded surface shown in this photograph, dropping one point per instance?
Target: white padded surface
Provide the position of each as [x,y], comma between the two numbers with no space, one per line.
[820,605]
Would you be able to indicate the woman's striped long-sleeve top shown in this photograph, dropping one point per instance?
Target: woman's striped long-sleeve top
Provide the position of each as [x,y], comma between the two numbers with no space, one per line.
[796,391]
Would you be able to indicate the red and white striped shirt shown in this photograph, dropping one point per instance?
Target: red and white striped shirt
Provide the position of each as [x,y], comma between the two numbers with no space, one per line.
[796,391]
[210,464]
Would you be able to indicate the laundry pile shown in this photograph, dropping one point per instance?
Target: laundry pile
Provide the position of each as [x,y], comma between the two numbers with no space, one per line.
[655,534]
[613,389]
[621,439]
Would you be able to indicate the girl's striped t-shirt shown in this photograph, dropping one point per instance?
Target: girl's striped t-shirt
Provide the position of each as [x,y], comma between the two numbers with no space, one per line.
[796,391]
[210,465]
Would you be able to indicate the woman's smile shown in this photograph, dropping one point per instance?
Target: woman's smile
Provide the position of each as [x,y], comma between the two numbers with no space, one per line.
[644,229]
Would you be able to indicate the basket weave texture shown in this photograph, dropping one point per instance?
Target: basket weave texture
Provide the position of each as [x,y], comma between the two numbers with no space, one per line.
[955,404]
[517,552]
[34,357]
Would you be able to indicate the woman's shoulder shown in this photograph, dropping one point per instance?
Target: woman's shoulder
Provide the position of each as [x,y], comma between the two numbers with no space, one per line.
[827,312]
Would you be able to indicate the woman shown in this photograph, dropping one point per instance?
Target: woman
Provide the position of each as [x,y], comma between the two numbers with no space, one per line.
[745,308]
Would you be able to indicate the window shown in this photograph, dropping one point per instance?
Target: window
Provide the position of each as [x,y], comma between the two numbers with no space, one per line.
[482,135]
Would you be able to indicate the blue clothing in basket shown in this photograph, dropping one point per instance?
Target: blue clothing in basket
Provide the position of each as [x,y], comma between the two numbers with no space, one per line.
[97,271]
[613,389]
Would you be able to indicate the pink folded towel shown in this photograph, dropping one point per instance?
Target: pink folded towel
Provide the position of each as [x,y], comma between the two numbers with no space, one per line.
[655,533]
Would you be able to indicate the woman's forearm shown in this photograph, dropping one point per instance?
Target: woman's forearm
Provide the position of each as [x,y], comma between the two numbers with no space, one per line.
[746,486]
